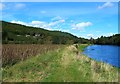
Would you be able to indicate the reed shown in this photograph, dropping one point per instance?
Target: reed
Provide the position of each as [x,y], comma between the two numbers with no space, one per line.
[13,53]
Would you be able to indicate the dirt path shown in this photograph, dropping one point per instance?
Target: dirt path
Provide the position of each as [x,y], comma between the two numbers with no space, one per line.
[69,56]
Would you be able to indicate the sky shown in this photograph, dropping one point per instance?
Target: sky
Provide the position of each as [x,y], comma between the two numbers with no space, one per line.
[59,0]
[82,19]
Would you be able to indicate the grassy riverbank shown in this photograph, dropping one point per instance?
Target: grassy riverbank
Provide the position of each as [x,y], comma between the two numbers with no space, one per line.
[66,64]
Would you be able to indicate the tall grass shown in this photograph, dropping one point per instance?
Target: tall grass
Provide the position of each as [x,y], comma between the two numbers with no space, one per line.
[13,53]
[61,65]
[100,71]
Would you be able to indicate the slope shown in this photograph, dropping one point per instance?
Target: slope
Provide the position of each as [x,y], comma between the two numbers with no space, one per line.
[67,64]
[21,34]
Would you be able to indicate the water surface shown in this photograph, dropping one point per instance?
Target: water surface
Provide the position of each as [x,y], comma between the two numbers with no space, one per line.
[106,53]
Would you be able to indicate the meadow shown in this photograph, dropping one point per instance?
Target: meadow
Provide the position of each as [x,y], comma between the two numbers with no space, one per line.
[14,53]
[64,64]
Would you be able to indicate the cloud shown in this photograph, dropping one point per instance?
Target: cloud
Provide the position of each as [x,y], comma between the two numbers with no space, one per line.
[108,34]
[41,24]
[10,6]
[65,30]
[37,22]
[106,5]
[90,35]
[57,18]
[98,31]
[43,12]
[19,22]
[19,6]
[56,22]
[71,20]
[2,6]
[81,26]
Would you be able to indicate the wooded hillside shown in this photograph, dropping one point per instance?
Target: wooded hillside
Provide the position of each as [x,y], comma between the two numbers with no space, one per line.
[20,34]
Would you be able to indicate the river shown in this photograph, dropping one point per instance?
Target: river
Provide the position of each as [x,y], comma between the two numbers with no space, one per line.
[105,53]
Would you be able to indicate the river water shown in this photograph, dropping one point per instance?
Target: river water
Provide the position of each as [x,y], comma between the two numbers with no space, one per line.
[105,53]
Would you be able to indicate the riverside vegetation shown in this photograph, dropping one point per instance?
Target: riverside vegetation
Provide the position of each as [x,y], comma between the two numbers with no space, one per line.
[13,53]
[38,55]
[65,64]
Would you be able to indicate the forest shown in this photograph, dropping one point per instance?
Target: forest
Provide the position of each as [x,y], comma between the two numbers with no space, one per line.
[20,34]
[111,40]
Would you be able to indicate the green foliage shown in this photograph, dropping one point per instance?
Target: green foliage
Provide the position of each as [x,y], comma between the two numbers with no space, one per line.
[111,40]
[20,34]
[83,46]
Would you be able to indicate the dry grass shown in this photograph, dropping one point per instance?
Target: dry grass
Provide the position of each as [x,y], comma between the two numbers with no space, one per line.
[13,53]
[100,71]
[61,65]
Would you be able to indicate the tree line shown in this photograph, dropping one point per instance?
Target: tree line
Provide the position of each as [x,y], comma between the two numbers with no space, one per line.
[111,40]
[20,34]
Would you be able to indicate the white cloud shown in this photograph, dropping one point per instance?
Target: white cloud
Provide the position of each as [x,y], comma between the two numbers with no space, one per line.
[106,5]
[56,22]
[71,20]
[43,12]
[108,34]
[56,18]
[95,36]
[19,22]
[90,35]
[19,6]
[65,30]
[40,24]
[98,31]
[37,22]
[81,26]
[2,6]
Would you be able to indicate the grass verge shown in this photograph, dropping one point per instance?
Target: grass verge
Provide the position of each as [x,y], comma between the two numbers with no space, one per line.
[66,64]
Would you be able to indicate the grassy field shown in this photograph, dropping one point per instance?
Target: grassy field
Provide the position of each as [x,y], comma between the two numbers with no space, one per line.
[14,53]
[65,64]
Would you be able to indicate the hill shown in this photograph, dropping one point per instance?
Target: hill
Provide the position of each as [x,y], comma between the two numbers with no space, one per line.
[21,34]
[13,33]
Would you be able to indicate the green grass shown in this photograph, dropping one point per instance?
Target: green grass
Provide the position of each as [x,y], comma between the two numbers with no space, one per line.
[61,65]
